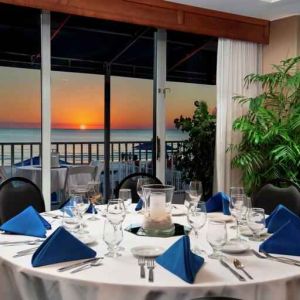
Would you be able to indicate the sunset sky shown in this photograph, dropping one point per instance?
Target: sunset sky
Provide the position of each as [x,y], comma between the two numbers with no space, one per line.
[77,100]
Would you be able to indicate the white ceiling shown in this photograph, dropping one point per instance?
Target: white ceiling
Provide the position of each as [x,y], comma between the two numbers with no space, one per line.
[252,8]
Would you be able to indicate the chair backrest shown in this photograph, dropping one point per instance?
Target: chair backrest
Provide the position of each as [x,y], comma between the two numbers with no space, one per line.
[79,176]
[3,174]
[273,193]
[16,194]
[130,182]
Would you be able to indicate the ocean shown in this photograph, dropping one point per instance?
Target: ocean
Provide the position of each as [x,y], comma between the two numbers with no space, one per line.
[20,135]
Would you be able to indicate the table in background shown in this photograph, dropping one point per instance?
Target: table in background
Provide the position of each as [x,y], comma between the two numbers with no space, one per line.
[118,278]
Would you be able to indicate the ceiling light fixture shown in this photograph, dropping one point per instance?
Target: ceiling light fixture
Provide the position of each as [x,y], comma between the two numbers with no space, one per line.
[270,1]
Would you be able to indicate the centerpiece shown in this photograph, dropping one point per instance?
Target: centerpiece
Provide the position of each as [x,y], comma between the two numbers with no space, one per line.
[158,210]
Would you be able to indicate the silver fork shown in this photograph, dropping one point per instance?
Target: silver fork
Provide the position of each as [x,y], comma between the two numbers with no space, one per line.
[281,258]
[151,266]
[284,261]
[141,262]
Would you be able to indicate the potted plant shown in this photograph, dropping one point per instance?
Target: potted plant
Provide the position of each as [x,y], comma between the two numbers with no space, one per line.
[196,157]
[270,144]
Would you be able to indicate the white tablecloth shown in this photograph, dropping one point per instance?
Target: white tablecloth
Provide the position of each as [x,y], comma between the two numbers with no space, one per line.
[118,278]
[34,173]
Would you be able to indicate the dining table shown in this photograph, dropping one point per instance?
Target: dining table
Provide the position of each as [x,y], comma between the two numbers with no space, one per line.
[119,278]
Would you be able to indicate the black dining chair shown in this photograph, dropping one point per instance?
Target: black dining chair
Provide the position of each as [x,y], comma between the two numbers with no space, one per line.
[277,191]
[16,194]
[130,182]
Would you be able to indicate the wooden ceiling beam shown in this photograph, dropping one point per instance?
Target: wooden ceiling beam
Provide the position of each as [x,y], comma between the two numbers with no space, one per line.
[161,14]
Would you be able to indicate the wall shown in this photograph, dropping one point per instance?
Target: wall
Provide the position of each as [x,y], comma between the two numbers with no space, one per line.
[284,42]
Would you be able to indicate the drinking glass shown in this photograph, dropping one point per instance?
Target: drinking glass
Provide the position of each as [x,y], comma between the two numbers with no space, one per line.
[236,207]
[139,186]
[94,198]
[116,211]
[196,217]
[216,236]
[112,236]
[245,209]
[81,203]
[70,220]
[125,195]
[256,222]
[195,191]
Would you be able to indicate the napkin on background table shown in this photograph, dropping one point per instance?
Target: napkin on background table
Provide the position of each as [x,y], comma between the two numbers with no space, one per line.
[279,217]
[61,246]
[218,202]
[28,222]
[139,205]
[181,261]
[286,240]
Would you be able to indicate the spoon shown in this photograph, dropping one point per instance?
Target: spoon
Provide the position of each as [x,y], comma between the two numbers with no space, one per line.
[239,265]
[92,264]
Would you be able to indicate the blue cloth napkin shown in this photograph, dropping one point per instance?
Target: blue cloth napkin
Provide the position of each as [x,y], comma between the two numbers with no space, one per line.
[286,240]
[279,217]
[180,260]
[60,246]
[218,202]
[139,205]
[28,222]
[67,207]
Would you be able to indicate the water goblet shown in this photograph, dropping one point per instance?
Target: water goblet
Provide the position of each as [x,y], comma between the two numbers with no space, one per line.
[139,187]
[256,222]
[196,218]
[125,195]
[216,236]
[112,236]
[94,198]
[81,205]
[195,191]
[116,211]
[70,220]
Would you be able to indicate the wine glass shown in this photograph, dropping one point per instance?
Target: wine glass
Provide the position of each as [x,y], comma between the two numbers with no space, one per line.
[195,191]
[139,187]
[256,222]
[70,220]
[81,203]
[112,236]
[125,195]
[216,236]
[196,217]
[94,198]
[236,207]
[116,211]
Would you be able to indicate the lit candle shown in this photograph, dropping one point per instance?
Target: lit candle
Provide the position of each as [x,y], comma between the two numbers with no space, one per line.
[157,206]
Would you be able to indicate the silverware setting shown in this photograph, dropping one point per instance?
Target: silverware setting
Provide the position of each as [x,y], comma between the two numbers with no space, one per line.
[27,242]
[240,266]
[151,266]
[95,263]
[283,260]
[148,262]
[79,264]
[25,252]
[234,272]
[141,263]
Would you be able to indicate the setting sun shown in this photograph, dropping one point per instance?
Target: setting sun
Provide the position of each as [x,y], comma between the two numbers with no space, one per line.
[82,127]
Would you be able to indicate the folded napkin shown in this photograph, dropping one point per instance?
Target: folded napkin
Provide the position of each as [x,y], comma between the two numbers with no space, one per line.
[286,240]
[27,222]
[139,205]
[218,202]
[60,246]
[279,217]
[90,209]
[180,260]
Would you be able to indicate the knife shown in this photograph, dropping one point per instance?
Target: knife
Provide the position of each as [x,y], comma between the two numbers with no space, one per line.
[226,265]
[79,264]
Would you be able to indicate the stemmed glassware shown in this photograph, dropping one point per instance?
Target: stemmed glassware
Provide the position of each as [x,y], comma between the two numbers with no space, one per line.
[196,217]
[139,187]
[125,195]
[81,204]
[94,198]
[113,231]
[237,206]
[256,222]
[216,236]
[195,192]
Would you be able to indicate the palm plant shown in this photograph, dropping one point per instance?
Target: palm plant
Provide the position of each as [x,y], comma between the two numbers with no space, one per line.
[270,145]
[196,158]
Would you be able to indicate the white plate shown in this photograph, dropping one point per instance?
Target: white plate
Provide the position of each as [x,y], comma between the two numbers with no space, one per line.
[246,231]
[219,217]
[147,251]
[87,239]
[235,248]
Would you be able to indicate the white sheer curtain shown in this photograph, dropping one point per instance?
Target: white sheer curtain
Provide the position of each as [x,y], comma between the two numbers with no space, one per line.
[236,59]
